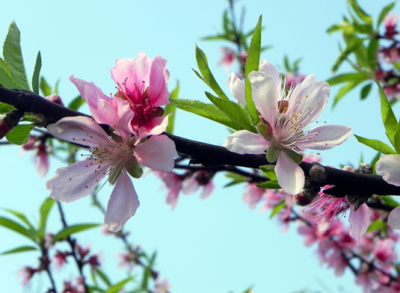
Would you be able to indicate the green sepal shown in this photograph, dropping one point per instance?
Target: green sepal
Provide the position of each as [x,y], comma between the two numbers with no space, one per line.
[265,130]
[297,158]
[269,170]
[115,137]
[273,154]
[114,174]
[134,168]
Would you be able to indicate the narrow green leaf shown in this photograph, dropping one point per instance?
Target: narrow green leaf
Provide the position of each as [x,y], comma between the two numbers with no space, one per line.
[233,111]
[76,103]
[20,216]
[14,226]
[67,231]
[377,224]
[208,77]
[344,90]
[5,108]
[6,78]
[20,134]
[117,287]
[145,279]
[374,161]
[365,91]
[170,109]
[376,145]
[19,249]
[103,276]
[383,13]
[269,185]
[373,50]
[360,13]
[396,65]
[208,111]
[252,63]
[351,47]
[36,74]
[388,200]
[396,140]
[13,56]
[276,209]
[388,118]
[269,170]
[359,76]
[45,87]
[44,213]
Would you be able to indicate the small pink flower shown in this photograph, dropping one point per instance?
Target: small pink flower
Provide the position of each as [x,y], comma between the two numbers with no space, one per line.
[228,57]
[127,259]
[27,273]
[201,178]
[55,99]
[162,286]
[253,195]
[173,183]
[60,259]
[41,157]
[390,22]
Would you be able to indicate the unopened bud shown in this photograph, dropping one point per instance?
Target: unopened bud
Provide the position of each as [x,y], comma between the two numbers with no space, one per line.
[8,121]
[55,99]
[348,168]
[301,199]
[364,169]
[317,173]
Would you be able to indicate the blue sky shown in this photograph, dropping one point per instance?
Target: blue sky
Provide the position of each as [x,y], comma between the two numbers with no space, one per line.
[213,245]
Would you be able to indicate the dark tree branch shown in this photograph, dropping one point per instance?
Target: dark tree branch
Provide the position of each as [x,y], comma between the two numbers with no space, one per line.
[206,154]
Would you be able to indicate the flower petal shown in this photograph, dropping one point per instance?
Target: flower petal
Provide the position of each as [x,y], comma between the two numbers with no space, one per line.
[82,130]
[265,94]
[359,221]
[122,204]
[75,181]
[324,137]
[236,85]
[290,176]
[270,70]
[158,152]
[190,185]
[207,190]
[245,142]
[158,82]
[389,167]
[394,218]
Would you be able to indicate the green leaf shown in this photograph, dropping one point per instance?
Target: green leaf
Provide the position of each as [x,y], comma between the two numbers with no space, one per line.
[344,90]
[118,286]
[36,73]
[277,208]
[76,103]
[233,111]
[383,13]
[351,47]
[45,87]
[170,108]
[208,77]
[376,145]
[396,140]
[360,13]
[396,65]
[359,76]
[20,134]
[44,213]
[103,276]
[67,231]
[269,185]
[13,56]
[19,249]
[5,108]
[252,63]
[20,216]
[269,170]
[377,224]
[145,279]
[373,50]
[388,118]
[389,201]
[374,161]
[14,226]
[6,78]
[365,91]
[208,111]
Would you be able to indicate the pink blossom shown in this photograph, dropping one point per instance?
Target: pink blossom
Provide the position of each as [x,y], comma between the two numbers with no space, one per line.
[200,179]
[162,286]
[253,195]
[286,117]
[293,79]
[173,183]
[60,259]
[41,157]
[27,273]
[116,156]
[127,259]
[385,251]
[142,82]
[228,57]
[390,22]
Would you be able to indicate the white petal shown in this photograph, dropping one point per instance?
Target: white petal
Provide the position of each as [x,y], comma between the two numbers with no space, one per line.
[80,129]
[265,94]
[245,142]
[394,218]
[389,167]
[236,86]
[75,181]
[359,221]
[190,185]
[122,204]
[308,99]
[158,152]
[270,70]
[290,176]
[326,137]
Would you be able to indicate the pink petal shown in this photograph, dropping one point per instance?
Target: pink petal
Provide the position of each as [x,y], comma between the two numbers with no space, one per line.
[75,181]
[359,221]
[308,99]
[82,130]
[245,142]
[265,94]
[326,137]
[389,167]
[236,86]
[394,218]
[270,70]
[290,176]
[207,190]
[158,152]
[158,82]
[190,185]
[122,204]
[42,163]
[154,127]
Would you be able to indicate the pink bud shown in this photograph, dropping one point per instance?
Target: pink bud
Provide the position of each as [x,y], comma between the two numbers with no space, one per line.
[55,99]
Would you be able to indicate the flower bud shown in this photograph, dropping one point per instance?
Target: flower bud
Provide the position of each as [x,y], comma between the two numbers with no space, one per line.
[317,173]
[55,99]
[301,199]
[364,169]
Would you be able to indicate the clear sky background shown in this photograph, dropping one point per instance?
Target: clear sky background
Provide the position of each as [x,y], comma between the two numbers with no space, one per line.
[213,245]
